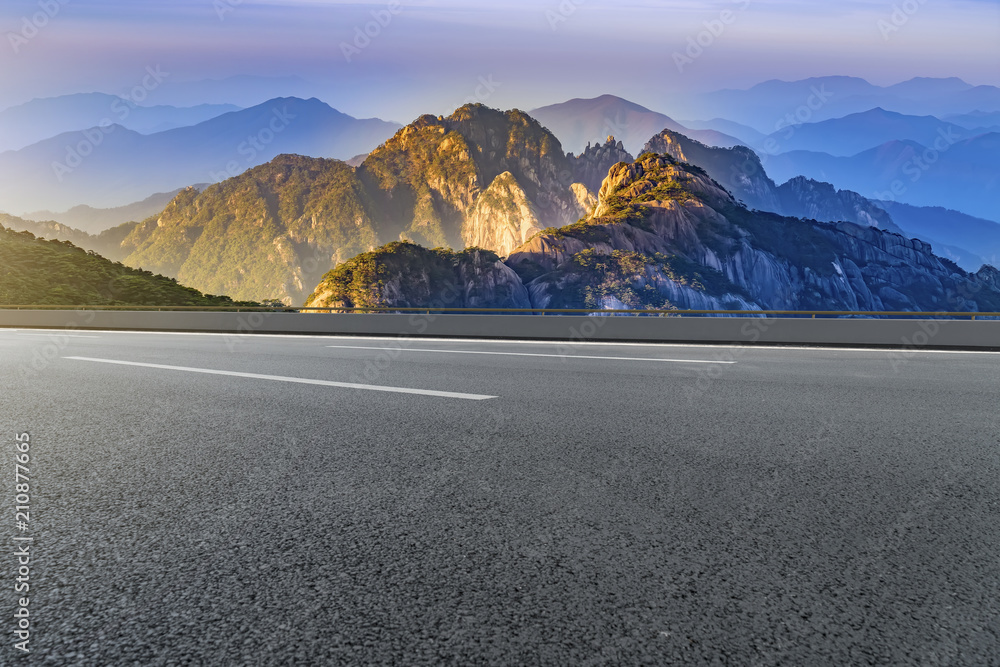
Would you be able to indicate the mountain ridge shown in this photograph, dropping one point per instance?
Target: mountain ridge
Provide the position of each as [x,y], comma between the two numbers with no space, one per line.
[108,167]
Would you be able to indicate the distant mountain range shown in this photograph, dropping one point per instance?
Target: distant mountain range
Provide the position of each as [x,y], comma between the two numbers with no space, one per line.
[768,105]
[858,132]
[968,241]
[977,120]
[113,166]
[42,119]
[580,122]
[964,175]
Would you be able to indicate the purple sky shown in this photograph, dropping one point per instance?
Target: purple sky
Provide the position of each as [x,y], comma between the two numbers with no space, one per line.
[432,54]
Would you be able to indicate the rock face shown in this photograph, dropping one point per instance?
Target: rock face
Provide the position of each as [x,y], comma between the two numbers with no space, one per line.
[502,217]
[591,167]
[403,275]
[666,235]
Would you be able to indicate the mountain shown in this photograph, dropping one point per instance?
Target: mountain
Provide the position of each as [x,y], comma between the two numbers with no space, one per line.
[41,272]
[976,120]
[801,197]
[973,241]
[580,122]
[928,88]
[664,235]
[858,132]
[40,119]
[96,220]
[112,166]
[772,105]
[591,167]
[964,176]
[479,177]
[407,275]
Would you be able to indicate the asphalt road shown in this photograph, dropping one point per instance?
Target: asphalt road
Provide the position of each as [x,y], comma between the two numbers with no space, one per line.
[551,505]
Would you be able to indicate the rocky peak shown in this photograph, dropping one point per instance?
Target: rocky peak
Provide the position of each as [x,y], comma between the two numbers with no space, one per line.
[591,167]
[436,169]
[654,179]
[738,169]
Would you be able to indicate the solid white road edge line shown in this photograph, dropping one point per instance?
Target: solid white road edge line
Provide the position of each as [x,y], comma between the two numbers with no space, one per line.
[279,378]
[526,354]
[54,334]
[515,341]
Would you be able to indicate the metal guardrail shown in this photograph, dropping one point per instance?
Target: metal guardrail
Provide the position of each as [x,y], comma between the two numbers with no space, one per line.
[532,311]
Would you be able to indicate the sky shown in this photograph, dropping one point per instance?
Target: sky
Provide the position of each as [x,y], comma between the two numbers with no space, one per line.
[397,59]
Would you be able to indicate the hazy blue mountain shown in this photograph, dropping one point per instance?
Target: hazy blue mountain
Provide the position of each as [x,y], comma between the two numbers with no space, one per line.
[949,232]
[581,122]
[43,118]
[768,106]
[115,166]
[924,87]
[858,132]
[976,120]
[96,220]
[964,177]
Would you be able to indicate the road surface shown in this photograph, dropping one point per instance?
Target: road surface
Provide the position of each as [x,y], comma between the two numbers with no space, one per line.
[211,499]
